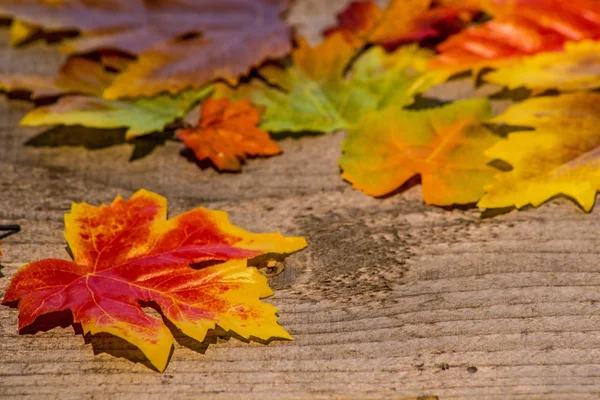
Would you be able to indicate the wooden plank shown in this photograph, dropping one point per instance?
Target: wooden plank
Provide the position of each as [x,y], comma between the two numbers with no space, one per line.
[390,299]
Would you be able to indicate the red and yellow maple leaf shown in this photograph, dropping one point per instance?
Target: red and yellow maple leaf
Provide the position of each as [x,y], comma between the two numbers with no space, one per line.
[227,133]
[130,252]
[180,44]
[520,28]
[402,21]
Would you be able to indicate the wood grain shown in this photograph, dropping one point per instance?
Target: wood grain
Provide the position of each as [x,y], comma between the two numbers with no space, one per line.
[391,298]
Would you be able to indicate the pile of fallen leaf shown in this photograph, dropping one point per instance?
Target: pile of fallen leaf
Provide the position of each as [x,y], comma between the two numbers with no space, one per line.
[143,65]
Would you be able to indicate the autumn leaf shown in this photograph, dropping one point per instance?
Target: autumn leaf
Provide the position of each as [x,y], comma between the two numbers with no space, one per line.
[559,157]
[576,68]
[314,94]
[77,75]
[180,44]
[130,252]
[140,116]
[401,22]
[226,133]
[520,28]
[443,145]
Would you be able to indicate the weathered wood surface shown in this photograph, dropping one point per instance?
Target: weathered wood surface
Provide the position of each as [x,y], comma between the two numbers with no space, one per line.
[390,299]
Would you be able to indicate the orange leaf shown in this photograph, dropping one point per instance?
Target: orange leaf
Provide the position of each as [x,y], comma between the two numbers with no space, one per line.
[521,27]
[402,21]
[180,44]
[130,252]
[443,145]
[227,133]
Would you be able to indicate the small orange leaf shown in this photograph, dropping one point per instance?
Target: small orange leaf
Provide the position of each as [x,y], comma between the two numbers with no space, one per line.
[130,252]
[227,133]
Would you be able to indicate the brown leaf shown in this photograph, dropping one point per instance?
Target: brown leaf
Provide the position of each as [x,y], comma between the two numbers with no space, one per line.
[227,133]
[184,43]
[77,75]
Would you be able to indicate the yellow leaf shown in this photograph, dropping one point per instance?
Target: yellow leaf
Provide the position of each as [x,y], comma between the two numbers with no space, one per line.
[576,68]
[561,156]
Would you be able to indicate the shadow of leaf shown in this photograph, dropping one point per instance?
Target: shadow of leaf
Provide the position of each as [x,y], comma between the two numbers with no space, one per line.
[495,212]
[117,347]
[518,94]
[422,102]
[504,130]
[96,139]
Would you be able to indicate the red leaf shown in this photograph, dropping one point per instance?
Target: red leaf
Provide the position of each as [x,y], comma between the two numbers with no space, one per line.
[520,28]
[401,22]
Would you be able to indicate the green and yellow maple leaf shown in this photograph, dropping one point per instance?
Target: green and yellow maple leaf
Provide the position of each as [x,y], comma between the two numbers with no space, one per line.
[316,93]
[575,68]
[561,156]
[81,82]
[140,116]
[443,145]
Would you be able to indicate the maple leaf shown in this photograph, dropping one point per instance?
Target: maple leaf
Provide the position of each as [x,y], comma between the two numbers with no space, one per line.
[401,22]
[129,252]
[227,133]
[559,157]
[520,27]
[316,95]
[77,75]
[576,68]
[140,116]
[444,145]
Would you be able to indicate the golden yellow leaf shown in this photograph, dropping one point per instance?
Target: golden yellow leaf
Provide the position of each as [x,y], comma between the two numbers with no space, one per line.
[575,68]
[561,156]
